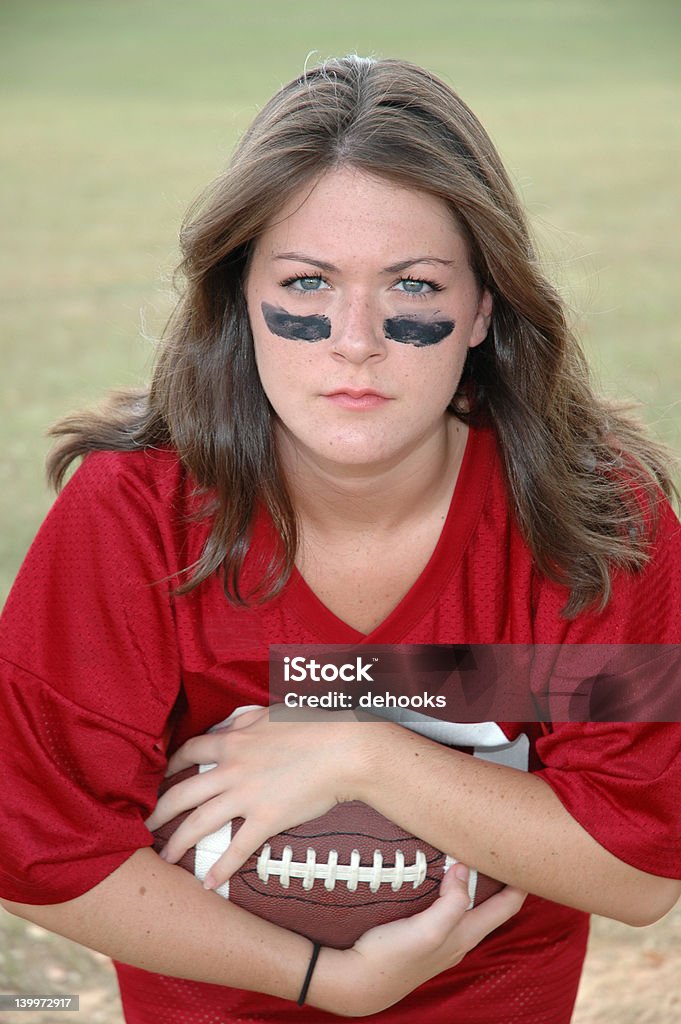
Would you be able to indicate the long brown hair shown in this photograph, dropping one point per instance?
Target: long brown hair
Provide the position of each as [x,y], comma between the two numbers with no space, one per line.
[583,477]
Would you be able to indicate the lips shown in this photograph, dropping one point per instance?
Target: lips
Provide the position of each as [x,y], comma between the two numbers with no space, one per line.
[357,398]
[355,393]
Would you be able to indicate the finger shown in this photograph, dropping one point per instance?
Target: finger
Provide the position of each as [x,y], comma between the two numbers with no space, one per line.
[208,749]
[450,906]
[430,928]
[489,915]
[249,716]
[250,838]
[205,819]
[184,796]
[454,889]
[212,746]
[456,874]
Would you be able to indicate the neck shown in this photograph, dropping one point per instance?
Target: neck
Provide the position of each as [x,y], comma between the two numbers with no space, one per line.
[336,497]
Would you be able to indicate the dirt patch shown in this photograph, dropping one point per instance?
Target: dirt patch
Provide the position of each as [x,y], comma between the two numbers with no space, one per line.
[632,975]
[33,961]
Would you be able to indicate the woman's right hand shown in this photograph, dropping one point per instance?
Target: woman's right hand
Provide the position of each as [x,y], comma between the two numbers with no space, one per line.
[389,961]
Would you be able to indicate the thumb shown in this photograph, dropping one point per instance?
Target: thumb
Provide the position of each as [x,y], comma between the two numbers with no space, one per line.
[450,906]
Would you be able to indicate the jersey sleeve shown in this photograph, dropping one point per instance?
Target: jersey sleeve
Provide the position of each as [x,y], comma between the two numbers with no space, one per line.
[89,672]
[621,780]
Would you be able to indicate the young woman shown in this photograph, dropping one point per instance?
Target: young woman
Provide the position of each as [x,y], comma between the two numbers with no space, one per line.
[368,423]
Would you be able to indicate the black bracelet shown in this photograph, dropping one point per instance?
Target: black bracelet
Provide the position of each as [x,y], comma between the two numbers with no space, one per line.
[316,946]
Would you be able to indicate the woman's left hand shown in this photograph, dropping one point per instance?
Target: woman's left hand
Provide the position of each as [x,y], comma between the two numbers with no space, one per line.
[270,770]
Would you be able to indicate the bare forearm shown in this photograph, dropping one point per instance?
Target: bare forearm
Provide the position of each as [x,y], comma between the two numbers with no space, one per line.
[507,823]
[158,917]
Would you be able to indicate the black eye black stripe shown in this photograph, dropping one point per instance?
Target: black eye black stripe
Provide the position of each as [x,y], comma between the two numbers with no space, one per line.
[410,330]
[295,328]
[407,330]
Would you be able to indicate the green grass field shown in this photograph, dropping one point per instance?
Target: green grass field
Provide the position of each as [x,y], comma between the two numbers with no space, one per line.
[116,113]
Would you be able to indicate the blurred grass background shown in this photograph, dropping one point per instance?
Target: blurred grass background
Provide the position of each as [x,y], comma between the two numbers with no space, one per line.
[115,113]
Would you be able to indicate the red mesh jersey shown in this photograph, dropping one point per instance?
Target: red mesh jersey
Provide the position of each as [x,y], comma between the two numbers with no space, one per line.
[96,655]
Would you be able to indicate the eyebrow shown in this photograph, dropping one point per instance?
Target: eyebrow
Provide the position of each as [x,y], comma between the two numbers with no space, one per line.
[394,268]
[300,257]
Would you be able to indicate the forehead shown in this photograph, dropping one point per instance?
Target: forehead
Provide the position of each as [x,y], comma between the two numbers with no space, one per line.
[347,211]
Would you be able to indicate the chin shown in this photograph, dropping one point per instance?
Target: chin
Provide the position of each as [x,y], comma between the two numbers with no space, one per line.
[348,448]
[359,455]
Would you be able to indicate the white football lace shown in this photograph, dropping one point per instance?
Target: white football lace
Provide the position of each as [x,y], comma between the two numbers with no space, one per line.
[311,870]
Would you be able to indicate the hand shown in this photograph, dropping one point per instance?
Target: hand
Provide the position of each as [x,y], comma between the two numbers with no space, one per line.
[388,962]
[272,772]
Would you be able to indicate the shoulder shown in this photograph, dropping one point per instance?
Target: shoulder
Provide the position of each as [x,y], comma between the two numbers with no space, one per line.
[122,518]
[95,591]
[154,474]
[151,484]
[644,606]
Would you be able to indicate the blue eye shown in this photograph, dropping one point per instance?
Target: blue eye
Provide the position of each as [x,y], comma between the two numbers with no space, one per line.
[416,286]
[306,283]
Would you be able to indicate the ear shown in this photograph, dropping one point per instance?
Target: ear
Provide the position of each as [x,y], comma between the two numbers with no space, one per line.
[483,319]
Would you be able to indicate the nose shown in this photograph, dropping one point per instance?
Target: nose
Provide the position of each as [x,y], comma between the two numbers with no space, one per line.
[357,334]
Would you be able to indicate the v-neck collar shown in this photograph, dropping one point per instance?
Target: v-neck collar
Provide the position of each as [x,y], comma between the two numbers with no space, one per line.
[464,511]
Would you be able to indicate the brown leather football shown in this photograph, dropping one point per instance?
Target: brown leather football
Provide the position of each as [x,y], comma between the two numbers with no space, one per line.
[332,878]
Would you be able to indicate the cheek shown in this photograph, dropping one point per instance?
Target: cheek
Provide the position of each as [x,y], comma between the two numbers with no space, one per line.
[281,365]
[269,359]
[434,371]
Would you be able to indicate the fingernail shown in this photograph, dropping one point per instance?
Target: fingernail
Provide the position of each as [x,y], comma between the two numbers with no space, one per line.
[209,882]
[461,872]
[164,853]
